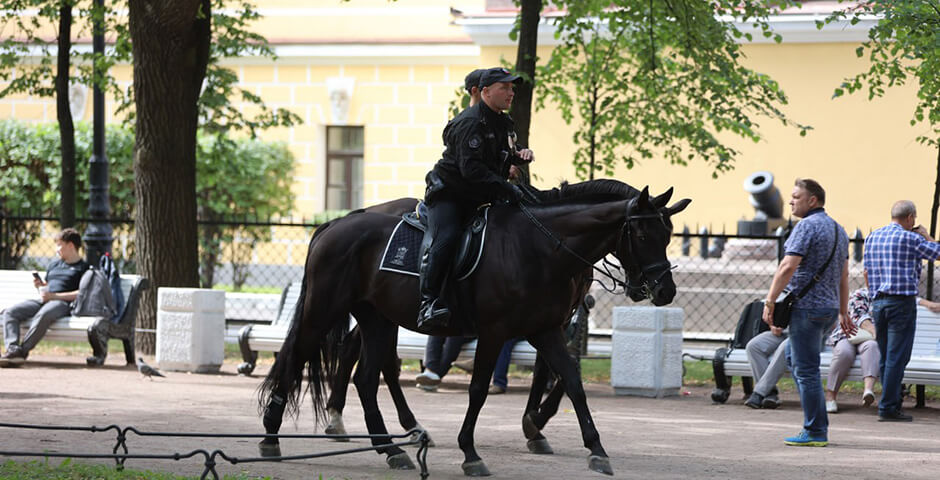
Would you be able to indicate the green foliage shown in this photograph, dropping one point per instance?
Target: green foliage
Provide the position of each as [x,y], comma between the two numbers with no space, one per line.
[658,78]
[459,102]
[29,158]
[235,178]
[904,44]
[27,62]
[239,179]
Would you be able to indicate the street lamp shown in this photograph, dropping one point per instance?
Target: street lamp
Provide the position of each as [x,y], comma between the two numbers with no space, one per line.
[98,234]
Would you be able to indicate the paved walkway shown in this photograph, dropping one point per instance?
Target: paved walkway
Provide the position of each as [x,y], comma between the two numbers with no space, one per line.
[681,437]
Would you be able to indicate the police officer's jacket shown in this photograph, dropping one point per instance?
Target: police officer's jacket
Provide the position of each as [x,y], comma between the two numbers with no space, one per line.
[477,156]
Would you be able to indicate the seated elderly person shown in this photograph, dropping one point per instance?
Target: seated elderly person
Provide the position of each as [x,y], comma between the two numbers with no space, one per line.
[845,349]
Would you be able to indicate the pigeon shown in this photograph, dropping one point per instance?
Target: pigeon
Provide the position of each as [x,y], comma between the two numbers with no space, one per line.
[147,370]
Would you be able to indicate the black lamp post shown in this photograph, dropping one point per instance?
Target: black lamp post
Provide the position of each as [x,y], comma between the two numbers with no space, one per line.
[98,233]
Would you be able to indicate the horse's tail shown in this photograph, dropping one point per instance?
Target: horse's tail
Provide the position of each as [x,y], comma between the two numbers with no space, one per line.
[284,382]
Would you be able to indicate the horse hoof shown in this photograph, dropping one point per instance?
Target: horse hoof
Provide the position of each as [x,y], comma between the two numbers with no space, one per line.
[540,447]
[335,427]
[600,464]
[475,469]
[529,429]
[336,430]
[268,449]
[400,461]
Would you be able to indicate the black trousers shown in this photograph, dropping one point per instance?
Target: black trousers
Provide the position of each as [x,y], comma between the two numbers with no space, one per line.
[446,217]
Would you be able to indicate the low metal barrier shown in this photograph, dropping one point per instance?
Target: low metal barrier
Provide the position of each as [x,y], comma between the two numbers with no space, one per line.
[414,437]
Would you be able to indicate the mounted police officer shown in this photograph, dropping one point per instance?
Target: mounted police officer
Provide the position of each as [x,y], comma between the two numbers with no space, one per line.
[480,149]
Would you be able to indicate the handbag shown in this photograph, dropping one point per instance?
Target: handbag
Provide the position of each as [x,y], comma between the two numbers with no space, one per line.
[783,305]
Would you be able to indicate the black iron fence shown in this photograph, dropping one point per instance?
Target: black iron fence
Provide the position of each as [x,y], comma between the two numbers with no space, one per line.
[716,274]
[253,259]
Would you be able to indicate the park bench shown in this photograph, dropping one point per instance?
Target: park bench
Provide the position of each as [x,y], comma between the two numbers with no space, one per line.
[269,338]
[17,285]
[923,369]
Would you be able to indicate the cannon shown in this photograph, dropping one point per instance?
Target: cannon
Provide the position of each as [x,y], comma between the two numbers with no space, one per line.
[767,202]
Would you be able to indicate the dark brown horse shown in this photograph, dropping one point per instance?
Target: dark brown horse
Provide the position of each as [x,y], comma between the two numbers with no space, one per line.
[522,287]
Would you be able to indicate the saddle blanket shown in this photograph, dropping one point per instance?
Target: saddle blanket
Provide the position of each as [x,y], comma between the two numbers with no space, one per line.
[403,251]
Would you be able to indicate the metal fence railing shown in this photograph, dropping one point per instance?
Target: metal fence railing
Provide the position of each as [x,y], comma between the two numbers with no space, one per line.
[714,284]
[252,259]
[716,275]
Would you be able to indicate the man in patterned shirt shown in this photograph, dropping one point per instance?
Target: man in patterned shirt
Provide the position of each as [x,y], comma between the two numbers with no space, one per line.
[814,238]
[892,262]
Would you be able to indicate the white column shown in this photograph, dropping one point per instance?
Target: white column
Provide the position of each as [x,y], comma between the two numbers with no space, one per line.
[190,329]
[646,356]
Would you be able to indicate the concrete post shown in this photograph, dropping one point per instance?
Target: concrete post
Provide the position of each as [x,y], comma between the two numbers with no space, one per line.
[190,329]
[646,357]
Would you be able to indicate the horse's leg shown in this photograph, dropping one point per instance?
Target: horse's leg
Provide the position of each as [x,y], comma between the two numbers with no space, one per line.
[483,364]
[377,335]
[339,387]
[551,345]
[391,372]
[537,415]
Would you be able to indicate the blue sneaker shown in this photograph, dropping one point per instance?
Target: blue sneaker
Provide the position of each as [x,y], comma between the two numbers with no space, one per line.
[804,439]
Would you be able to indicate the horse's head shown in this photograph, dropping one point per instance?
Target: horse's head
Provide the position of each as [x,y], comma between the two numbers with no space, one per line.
[641,248]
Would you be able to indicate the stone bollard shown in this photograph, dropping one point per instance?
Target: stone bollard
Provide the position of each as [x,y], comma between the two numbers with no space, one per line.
[646,356]
[190,329]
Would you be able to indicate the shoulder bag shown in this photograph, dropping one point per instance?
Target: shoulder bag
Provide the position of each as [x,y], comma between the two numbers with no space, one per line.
[783,306]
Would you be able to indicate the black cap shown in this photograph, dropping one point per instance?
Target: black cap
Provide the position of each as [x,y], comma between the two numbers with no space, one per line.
[497,74]
[473,79]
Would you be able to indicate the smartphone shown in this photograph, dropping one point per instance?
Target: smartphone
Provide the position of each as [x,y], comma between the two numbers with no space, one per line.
[36,276]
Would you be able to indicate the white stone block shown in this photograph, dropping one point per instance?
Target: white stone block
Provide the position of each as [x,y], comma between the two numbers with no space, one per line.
[190,329]
[646,356]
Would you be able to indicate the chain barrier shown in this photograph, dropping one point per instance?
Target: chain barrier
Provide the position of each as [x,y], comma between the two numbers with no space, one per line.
[414,437]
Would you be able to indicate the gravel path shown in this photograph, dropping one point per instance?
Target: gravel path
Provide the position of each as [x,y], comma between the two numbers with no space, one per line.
[679,437]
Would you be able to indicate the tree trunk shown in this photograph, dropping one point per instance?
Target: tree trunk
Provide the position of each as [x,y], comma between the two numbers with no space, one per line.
[171,50]
[521,110]
[64,115]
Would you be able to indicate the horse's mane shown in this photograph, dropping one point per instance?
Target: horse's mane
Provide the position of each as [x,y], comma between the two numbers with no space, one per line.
[591,191]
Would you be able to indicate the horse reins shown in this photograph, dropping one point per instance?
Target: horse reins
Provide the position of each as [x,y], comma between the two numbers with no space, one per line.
[626,229]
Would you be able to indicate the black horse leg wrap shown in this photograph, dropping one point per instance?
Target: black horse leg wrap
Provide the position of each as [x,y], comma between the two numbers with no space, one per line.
[274,413]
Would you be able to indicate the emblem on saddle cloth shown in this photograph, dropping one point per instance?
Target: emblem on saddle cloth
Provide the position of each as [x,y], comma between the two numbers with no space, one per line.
[403,251]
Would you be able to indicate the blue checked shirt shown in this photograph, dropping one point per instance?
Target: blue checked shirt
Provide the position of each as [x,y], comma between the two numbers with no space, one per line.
[893,258]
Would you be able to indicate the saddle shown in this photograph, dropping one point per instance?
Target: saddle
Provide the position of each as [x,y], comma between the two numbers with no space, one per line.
[403,251]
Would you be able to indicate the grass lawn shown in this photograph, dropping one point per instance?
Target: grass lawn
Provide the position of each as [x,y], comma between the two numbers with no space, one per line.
[53,469]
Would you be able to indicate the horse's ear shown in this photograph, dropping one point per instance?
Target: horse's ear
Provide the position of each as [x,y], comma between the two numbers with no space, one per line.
[660,201]
[679,206]
[644,197]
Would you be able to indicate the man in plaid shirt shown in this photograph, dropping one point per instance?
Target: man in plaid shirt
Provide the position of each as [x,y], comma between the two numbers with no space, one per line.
[892,262]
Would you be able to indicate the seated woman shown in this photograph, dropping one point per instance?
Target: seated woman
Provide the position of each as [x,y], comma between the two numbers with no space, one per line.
[845,349]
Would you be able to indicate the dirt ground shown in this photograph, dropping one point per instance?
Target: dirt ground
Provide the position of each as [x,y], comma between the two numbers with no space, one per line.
[678,437]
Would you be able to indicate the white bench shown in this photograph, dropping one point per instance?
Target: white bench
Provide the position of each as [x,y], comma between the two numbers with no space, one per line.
[17,285]
[269,338]
[923,369]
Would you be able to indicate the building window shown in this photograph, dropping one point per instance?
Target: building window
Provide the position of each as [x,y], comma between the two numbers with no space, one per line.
[344,151]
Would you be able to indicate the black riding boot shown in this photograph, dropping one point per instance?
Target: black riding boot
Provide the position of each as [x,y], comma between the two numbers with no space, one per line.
[433,313]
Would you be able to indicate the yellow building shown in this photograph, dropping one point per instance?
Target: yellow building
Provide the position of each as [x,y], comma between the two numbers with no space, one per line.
[372,81]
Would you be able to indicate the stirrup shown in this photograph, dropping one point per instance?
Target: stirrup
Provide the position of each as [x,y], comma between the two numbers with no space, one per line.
[431,316]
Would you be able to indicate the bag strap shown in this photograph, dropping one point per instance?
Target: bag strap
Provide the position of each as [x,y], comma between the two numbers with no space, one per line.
[822,269]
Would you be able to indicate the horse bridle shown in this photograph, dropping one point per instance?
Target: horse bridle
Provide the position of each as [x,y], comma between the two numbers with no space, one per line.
[655,270]
[662,267]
